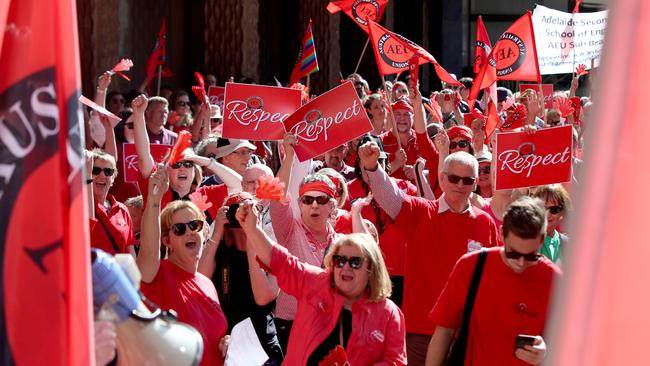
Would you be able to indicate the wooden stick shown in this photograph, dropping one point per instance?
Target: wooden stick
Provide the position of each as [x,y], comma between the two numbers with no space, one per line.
[308,90]
[362,53]
[390,112]
[159,77]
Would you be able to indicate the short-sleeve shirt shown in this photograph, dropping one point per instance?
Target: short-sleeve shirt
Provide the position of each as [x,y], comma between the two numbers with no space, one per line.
[117,221]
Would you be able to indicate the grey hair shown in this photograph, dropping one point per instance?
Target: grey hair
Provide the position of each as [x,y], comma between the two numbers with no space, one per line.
[203,144]
[262,167]
[461,158]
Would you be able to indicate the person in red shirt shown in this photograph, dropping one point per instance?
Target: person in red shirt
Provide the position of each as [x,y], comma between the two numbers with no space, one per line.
[175,283]
[352,288]
[111,228]
[437,232]
[512,299]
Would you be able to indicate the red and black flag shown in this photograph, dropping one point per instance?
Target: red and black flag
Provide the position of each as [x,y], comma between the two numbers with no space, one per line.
[45,298]
[359,10]
[483,46]
[393,51]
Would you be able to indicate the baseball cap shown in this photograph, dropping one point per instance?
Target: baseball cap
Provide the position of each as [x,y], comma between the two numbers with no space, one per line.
[371,138]
[228,146]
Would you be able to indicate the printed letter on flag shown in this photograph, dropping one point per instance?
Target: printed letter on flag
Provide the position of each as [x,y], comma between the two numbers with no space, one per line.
[328,121]
[525,160]
[360,10]
[392,53]
[46,293]
[256,112]
[483,46]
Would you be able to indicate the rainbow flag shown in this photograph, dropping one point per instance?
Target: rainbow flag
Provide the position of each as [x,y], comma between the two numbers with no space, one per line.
[307,61]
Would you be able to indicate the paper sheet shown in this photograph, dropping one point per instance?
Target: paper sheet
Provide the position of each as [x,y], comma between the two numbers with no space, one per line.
[245,348]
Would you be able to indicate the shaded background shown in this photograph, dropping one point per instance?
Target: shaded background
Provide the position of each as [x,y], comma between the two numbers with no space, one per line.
[260,39]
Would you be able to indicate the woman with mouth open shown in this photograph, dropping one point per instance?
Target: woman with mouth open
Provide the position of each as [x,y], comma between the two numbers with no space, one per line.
[305,232]
[352,288]
[175,283]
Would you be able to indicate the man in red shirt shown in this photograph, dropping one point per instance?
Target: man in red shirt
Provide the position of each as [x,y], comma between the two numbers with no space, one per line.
[512,297]
[437,233]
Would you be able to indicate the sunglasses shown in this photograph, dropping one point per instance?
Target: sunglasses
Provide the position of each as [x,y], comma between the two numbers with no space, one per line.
[462,144]
[194,226]
[484,170]
[555,209]
[183,104]
[528,257]
[185,164]
[107,171]
[454,179]
[129,125]
[340,261]
[308,200]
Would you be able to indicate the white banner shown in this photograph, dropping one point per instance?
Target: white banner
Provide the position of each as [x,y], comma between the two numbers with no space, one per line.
[558,35]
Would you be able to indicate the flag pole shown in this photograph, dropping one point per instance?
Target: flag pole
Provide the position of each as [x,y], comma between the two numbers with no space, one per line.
[159,77]
[390,112]
[362,53]
[308,90]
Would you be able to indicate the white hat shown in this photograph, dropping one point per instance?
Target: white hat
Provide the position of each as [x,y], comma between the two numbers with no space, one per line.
[228,146]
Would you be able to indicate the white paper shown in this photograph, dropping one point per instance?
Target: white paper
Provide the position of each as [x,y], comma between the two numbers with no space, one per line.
[245,348]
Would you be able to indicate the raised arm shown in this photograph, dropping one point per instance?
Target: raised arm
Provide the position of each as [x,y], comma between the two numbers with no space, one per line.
[358,226]
[265,287]
[148,259]
[145,160]
[257,239]
[385,191]
[230,178]
[102,85]
[202,119]
[284,174]
[441,140]
[110,146]
[207,262]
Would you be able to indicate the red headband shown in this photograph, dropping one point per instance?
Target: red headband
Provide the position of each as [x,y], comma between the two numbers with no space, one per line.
[403,105]
[317,187]
[458,131]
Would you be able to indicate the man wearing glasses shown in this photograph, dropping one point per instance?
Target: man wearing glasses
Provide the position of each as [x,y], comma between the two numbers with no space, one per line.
[438,233]
[512,297]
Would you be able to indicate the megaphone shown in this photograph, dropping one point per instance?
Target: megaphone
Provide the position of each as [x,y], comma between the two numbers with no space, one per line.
[143,337]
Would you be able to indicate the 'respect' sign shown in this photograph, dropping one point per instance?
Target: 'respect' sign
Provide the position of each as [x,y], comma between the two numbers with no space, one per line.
[130,160]
[256,112]
[328,121]
[527,160]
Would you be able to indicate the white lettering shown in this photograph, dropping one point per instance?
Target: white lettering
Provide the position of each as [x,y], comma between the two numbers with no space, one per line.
[516,163]
[238,110]
[50,110]
[312,131]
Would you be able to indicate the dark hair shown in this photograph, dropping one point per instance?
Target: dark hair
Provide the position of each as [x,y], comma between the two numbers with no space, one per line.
[380,221]
[467,82]
[526,218]
[175,95]
[119,129]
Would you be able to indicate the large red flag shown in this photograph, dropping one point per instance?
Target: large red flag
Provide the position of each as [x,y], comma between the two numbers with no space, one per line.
[393,51]
[483,46]
[600,316]
[359,10]
[158,54]
[46,312]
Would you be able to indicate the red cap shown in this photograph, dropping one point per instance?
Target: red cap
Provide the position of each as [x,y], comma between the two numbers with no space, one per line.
[459,131]
[402,104]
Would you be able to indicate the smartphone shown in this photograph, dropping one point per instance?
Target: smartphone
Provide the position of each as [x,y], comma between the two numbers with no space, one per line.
[524,340]
[230,215]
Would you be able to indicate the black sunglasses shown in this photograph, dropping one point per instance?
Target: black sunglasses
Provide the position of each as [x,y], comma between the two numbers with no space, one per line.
[454,179]
[183,103]
[340,261]
[528,257]
[107,171]
[194,226]
[462,144]
[555,209]
[484,170]
[308,200]
[186,164]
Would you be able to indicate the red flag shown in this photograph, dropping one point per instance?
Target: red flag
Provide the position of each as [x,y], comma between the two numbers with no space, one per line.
[45,307]
[600,315]
[307,61]
[360,10]
[158,55]
[393,51]
[576,8]
[483,46]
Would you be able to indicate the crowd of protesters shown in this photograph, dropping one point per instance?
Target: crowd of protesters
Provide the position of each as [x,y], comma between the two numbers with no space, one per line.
[373,247]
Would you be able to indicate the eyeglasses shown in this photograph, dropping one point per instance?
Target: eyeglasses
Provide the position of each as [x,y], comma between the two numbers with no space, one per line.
[182,103]
[354,262]
[194,226]
[129,125]
[484,170]
[185,164]
[528,257]
[107,171]
[462,144]
[308,200]
[454,179]
[555,209]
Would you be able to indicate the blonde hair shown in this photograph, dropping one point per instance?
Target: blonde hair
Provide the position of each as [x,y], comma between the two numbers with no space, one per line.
[173,207]
[379,286]
[99,154]
[341,190]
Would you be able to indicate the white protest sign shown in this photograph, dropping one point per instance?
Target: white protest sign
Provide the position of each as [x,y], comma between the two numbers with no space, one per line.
[559,34]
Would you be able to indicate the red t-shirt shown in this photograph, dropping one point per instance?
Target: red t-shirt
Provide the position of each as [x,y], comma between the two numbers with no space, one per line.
[435,241]
[194,298]
[391,146]
[392,241]
[507,304]
[118,223]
